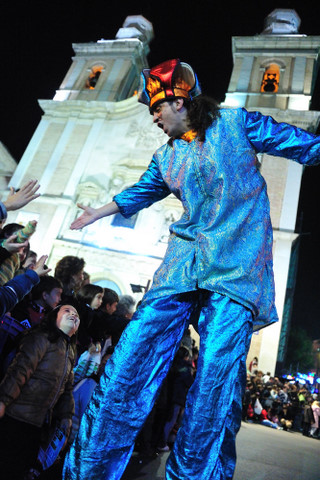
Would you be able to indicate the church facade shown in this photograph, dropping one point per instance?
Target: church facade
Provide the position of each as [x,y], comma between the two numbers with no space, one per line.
[95,139]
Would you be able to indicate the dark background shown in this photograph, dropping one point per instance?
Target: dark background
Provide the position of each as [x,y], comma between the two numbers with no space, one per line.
[36,49]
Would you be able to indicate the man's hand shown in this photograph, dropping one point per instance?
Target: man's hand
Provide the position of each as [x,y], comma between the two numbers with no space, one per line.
[26,194]
[89,216]
[40,267]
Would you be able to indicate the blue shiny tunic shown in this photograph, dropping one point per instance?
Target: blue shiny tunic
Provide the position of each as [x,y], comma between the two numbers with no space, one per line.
[223,241]
[219,251]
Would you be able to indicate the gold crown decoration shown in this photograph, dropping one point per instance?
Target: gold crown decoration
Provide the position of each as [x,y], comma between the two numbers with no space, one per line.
[168,80]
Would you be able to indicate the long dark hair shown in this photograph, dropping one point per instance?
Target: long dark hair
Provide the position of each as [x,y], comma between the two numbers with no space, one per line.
[202,111]
[87,293]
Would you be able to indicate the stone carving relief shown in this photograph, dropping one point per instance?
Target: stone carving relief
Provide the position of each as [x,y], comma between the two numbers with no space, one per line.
[90,193]
[146,137]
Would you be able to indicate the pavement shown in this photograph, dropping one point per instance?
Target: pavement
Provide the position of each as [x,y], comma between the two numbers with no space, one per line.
[263,454]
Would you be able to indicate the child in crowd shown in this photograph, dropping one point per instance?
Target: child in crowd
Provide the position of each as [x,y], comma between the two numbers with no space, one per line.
[44,297]
[37,387]
[10,266]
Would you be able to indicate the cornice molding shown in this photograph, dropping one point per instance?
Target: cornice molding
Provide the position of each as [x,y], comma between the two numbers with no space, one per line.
[277,41]
[110,47]
[88,109]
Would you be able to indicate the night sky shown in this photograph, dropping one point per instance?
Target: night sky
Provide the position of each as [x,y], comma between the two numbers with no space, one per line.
[36,50]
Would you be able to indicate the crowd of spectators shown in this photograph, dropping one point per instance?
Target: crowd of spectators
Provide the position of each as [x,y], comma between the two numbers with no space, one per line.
[280,403]
[58,330]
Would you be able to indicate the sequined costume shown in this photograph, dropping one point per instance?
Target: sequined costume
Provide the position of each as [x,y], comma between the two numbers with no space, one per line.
[218,268]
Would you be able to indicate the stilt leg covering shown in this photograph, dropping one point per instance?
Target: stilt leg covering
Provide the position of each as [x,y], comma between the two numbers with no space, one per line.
[128,388]
[205,445]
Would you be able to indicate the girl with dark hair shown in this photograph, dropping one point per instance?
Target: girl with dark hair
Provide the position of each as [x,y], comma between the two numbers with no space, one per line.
[36,388]
[91,295]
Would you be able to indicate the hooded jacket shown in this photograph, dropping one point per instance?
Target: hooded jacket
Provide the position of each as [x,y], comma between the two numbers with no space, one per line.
[39,380]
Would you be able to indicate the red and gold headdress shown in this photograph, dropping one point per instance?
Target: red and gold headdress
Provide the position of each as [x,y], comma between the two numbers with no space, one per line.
[168,80]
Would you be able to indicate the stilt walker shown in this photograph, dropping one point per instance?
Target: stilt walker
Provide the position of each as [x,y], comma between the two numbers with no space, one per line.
[217,271]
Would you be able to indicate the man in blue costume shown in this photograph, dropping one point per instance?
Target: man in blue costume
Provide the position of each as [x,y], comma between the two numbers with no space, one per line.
[217,270]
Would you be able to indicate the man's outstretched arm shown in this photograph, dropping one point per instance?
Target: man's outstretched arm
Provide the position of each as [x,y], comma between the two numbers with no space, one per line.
[91,215]
[148,190]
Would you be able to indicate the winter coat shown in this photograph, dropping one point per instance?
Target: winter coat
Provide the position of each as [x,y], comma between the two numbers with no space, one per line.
[308,414]
[40,378]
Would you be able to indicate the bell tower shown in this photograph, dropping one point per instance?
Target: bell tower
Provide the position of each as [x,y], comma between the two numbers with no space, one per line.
[108,70]
[94,140]
[275,73]
[276,69]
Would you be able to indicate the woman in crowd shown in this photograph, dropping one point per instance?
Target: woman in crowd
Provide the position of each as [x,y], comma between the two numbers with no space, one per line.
[69,270]
[37,388]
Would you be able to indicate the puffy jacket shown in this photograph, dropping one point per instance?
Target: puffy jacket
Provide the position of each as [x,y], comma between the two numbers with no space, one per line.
[40,379]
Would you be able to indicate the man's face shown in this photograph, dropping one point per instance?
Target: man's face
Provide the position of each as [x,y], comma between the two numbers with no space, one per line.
[111,307]
[53,298]
[167,117]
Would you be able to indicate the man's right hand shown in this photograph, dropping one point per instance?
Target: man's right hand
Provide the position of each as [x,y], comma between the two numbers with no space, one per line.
[89,216]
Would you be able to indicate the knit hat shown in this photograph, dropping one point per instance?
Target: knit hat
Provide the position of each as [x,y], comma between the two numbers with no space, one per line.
[166,81]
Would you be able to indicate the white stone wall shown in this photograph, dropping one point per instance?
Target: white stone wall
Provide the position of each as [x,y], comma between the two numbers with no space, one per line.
[87,152]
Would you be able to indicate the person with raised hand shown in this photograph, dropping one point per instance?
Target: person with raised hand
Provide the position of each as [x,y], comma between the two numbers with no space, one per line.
[14,290]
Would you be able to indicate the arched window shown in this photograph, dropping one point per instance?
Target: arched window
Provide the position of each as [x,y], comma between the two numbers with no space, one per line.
[93,78]
[271,79]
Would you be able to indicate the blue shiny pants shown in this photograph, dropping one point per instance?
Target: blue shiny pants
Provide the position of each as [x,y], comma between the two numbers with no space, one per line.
[205,445]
